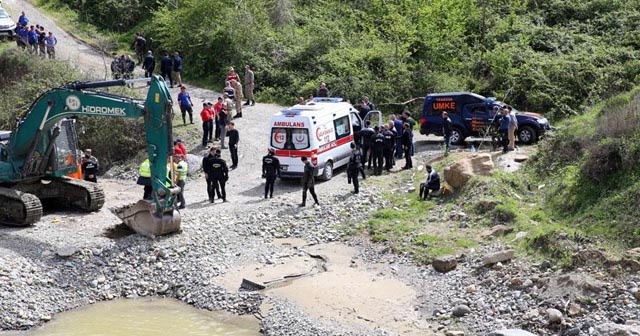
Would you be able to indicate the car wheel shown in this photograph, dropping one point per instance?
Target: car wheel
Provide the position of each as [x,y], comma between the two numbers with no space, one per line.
[527,135]
[456,136]
[327,173]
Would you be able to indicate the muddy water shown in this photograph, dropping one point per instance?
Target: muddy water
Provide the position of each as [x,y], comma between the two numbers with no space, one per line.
[142,317]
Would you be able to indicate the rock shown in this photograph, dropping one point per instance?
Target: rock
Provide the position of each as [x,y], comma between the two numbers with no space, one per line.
[511,332]
[454,333]
[520,158]
[461,171]
[612,329]
[554,316]
[484,206]
[411,190]
[497,257]
[527,283]
[495,231]
[444,264]
[101,279]
[572,332]
[516,282]
[461,310]
[637,295]
[574,309]
[545,265]
[471,289]
[67,251]
[573,285]
[520,235]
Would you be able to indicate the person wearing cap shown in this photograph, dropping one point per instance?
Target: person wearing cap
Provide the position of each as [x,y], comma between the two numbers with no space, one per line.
[354,166]
[181,178]
[179,147]
[270,170]
[90,166]
[216,173]
[308,182]
[237,88]
[249,85]
[149,64]
[232,75]
[207,123]
[186,105]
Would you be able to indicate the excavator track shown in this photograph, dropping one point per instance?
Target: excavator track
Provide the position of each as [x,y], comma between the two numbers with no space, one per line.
[19,208]
[86,196]
[68,192]
[141,218]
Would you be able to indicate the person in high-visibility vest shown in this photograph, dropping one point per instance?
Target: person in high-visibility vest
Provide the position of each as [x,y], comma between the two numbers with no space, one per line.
[181,178]
[145,179]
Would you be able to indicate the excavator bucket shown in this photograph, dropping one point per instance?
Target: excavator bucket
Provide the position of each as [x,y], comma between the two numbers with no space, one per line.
[140,217]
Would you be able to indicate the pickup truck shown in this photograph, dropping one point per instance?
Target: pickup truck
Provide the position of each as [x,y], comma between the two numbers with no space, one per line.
[471,114]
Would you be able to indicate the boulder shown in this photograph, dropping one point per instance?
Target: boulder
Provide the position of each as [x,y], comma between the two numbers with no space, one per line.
[573,285]
[462,170]
[554,316]
[613,329]
[496,257]
[66,251]
[495,231]
[461,310]
[444,264]
[511,332]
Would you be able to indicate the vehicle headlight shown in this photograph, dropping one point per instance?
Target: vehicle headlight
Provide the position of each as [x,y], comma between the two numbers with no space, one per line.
[543,121]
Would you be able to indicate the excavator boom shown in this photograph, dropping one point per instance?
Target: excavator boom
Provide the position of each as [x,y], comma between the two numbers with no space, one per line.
[28,166]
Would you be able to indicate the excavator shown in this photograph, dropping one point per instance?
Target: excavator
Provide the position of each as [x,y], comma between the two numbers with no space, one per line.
[43,150]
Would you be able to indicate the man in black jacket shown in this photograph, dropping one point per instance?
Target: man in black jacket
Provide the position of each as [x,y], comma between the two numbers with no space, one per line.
[216,173]
[234,138]
[308,182]
[90,167]
[355,163]
[270,170]
[377,150]
[389,145]
[165,68]
[365,138]
[149,64]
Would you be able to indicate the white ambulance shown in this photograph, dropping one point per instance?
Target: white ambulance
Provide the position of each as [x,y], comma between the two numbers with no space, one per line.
[322,130]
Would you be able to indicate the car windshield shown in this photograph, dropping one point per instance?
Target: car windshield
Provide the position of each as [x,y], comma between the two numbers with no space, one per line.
[3,14]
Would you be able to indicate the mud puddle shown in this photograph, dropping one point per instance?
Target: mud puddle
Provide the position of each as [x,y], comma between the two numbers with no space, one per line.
[327,282]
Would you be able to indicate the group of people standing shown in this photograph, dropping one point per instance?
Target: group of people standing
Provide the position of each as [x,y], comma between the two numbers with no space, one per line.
[34,38]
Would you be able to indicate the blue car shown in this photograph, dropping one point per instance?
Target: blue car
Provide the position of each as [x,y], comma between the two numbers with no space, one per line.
[471,114]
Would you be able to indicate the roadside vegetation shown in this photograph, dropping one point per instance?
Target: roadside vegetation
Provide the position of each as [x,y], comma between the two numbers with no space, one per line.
[557,57]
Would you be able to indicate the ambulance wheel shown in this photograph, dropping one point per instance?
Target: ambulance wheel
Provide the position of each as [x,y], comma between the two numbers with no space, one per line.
[327,174]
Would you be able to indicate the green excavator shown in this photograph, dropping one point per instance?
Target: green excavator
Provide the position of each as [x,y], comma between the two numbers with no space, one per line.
[43,150]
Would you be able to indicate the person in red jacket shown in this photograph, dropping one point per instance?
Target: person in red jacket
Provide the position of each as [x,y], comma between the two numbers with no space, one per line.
[207,123]
[179,148]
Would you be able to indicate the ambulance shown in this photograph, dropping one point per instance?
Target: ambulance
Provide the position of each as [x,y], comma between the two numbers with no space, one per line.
[322,130]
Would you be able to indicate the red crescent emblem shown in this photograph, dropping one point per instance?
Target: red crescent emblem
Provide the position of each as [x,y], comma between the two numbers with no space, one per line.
[278,136]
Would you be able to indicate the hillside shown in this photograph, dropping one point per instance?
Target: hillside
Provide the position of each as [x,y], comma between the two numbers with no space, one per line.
[557,57]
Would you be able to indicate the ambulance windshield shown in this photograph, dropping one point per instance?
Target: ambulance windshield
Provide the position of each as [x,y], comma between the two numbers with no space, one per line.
[289,138]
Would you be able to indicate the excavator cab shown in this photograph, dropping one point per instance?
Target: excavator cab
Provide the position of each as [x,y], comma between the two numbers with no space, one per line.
[66,152]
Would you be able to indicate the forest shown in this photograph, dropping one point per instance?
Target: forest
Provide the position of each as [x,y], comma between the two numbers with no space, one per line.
[557,57]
